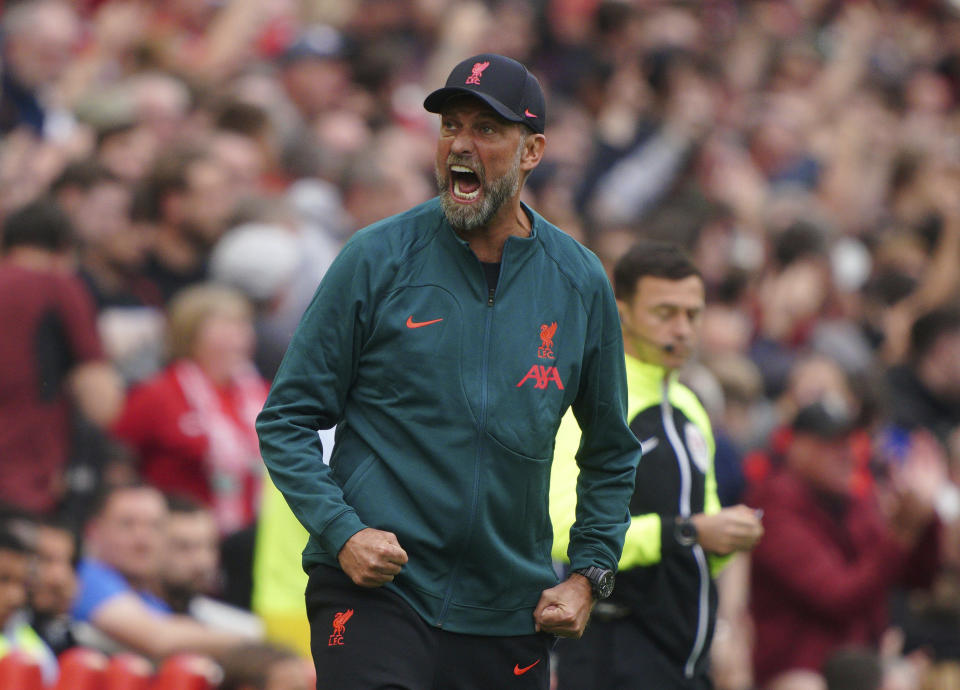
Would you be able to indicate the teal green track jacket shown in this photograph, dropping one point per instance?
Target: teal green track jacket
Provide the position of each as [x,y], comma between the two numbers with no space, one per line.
[447,398]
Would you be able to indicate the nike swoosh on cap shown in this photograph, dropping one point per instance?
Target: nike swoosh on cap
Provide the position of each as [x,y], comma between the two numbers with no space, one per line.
[526,111]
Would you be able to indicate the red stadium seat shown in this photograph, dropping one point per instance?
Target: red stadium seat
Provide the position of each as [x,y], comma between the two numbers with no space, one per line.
[81,668]
[128,672]
[187,672]
[19,672]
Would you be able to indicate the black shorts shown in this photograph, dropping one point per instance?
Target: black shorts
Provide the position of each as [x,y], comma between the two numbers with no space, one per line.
[370,639]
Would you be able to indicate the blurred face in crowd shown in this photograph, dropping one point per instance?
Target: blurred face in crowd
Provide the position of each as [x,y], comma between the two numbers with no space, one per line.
[127,153]
[129,533]
[661,322]
[40,45]
[725,330]
[316,84]
[817,378]
[103,211]
[102,218]
[224,342]
[242,160]
[940,368]
[163,103]
[191,552]
[14,569]
[479,161]
[208,200]
[54,583]
[825,463]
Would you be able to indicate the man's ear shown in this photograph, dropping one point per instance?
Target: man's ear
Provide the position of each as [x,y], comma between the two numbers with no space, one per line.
[623,309]
[533,147]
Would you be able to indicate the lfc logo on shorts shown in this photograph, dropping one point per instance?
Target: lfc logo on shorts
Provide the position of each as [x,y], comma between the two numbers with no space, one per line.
[339,625]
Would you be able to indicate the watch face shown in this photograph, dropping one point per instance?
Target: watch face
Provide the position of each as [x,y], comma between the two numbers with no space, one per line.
[685,532]
[605,584]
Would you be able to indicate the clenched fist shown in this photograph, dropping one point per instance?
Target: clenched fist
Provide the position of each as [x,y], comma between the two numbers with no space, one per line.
[372,557]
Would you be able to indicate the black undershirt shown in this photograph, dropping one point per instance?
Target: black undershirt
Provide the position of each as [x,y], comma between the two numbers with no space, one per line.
[492,272]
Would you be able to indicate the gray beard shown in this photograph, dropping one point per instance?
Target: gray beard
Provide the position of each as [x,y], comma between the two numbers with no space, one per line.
[467,218]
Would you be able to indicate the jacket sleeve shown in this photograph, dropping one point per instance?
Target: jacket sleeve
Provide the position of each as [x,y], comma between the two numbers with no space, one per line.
[309,393]
[608,452]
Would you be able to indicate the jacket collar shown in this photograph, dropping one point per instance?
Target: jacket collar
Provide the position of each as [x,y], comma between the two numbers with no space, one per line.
[521,243]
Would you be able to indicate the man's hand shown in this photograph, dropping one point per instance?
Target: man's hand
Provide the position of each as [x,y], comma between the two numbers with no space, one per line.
[372,557]
[736,528]
[565,609]
[911,496]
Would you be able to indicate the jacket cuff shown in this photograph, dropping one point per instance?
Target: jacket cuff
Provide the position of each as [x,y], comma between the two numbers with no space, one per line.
[338,531]
[586,559]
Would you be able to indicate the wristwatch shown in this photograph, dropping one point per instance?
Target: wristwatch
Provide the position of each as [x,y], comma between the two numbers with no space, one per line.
[600,579]
[684,531]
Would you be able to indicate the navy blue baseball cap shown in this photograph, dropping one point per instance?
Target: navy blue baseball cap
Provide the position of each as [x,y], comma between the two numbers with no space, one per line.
[317,42]
[502,83]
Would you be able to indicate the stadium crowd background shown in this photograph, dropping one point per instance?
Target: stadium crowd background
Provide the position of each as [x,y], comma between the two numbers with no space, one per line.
[212,157]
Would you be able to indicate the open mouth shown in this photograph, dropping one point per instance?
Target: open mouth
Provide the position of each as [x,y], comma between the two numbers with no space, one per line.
[465,184]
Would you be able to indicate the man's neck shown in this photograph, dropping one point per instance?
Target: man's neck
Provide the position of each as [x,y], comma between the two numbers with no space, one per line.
[487,242]
[178,598]
[141,584]
[104,273]
[174,250]
[220,371]
[37,259]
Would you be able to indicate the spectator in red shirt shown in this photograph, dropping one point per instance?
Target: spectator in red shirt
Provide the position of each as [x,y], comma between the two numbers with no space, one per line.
[50,357]
[822,575]
[192,424]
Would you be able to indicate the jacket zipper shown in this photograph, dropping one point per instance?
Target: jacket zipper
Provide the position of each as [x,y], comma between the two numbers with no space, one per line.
[481,430]
[683,460]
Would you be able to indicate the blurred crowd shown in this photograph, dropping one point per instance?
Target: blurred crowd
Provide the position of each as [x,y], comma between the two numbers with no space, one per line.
[176,175]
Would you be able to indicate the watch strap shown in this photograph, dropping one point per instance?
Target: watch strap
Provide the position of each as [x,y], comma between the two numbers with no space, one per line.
[600,579]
